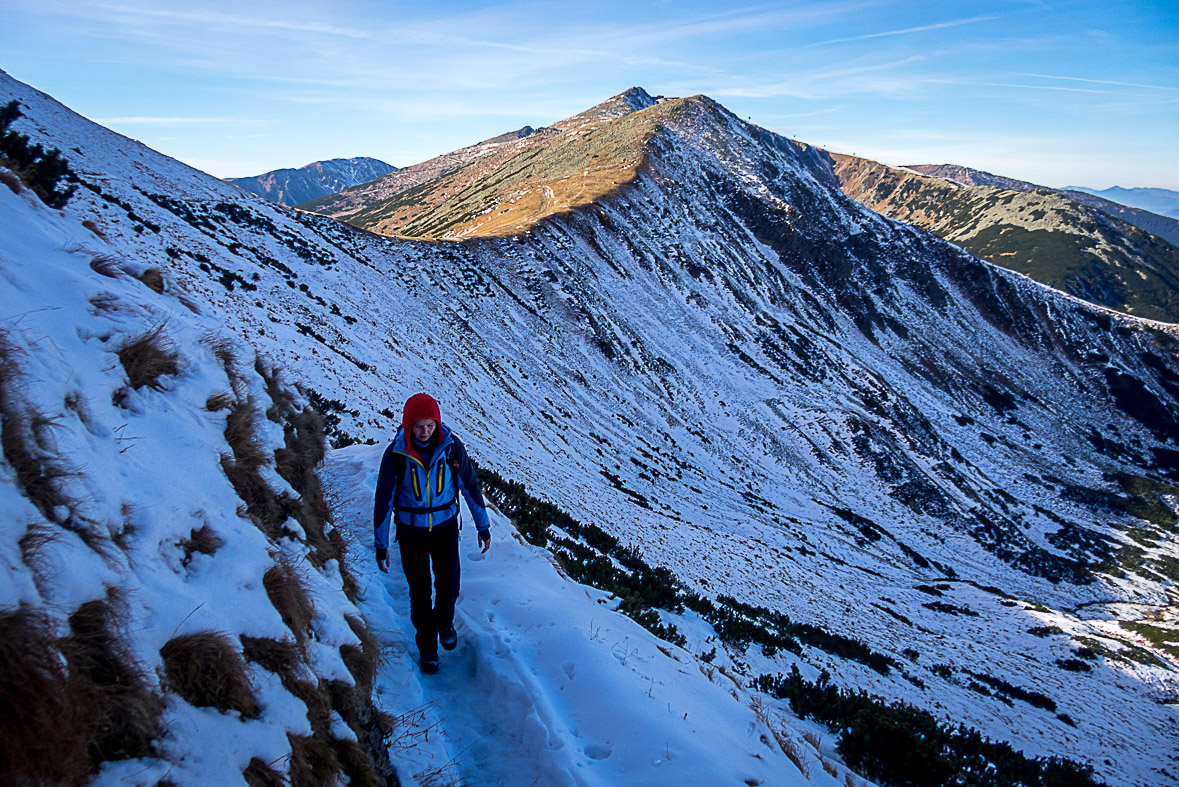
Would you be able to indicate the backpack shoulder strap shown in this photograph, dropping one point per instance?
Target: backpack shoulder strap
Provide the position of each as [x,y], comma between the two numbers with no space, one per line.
[398,474]
[454,478]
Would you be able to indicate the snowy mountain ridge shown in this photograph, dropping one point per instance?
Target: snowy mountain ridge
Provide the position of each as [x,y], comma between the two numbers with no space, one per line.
[762,386]
[314,180]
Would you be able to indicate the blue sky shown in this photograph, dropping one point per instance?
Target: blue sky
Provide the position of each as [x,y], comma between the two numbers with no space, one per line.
[1059,93]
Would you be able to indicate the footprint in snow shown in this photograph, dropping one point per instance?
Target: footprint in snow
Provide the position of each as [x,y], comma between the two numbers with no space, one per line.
[598,751]
[569,668]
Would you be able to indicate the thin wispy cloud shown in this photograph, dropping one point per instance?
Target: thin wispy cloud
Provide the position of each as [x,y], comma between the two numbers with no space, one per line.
[143,120]
[905,31]
[224,20]
[830,82]
[407,81]
[1054,88]
[1098,81]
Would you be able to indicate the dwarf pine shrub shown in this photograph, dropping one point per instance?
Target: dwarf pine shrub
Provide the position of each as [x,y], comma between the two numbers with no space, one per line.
[898,744]
[39,169]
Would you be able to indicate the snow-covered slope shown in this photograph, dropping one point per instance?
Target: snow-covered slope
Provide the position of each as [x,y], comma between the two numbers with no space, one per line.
[314,180]
[160,524]
[775,393]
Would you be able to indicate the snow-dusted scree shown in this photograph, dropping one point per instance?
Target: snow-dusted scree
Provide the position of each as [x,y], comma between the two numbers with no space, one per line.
[783,431]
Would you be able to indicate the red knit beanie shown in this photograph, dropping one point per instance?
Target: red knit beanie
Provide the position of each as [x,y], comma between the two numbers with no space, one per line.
[419,406]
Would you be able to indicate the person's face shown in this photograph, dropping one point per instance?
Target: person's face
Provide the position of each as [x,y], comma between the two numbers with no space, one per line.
[423,429]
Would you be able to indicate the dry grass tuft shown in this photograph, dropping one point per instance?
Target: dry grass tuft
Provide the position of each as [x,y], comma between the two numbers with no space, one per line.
[124,714]
[223,400]
[286,592]
[339,544]
[187,301]
[76,402]
[38,473]
[318,700]
[207,671]
[274,655]
[153,279]
[346,700]
[43,736]
[105,302]
[355,763]
[318,758]
[304,449]
[90,225]
[814,739]
[259,773]
[148,357]
[831,768]
[108,266]
[60,718]
[128,530]
[787,744]
[203,540]
[313,761]
[791,750]
[223,350]
[266,509]
[241,432]
[334,501]
[362,661]
[33,543]
[373,728]
[10,179]
[281,397]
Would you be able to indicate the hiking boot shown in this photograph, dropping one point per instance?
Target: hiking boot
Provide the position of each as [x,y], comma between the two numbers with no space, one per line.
[448,638]
[428,663]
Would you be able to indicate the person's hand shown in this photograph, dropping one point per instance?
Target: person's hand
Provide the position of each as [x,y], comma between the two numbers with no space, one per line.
[485,539]
[383,560]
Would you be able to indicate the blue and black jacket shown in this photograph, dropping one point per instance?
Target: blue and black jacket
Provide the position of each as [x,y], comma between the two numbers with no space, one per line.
[423,494]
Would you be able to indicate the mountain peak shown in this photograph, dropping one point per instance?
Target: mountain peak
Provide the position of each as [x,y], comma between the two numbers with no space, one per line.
[317,179]
[637,98]
[634,99]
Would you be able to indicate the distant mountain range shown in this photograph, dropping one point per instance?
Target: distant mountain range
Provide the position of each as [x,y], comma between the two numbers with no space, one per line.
[1157,222]
[1119,257]
[317,179]
[1162,201]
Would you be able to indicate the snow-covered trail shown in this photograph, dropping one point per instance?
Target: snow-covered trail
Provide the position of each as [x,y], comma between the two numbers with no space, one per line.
[548,686]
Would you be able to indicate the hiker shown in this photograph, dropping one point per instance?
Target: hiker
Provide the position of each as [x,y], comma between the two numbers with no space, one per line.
[417,489]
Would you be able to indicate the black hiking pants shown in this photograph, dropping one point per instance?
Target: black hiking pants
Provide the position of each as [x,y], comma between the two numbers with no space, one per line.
[421,549]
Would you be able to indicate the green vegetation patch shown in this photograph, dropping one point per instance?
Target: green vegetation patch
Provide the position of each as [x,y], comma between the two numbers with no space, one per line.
[1164,639]
[40,169]
[898,744]
[1146,500]
[1126,653]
